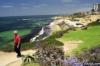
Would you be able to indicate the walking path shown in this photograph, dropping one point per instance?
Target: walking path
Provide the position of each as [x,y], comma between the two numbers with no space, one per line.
[6,58]
[70,45]
[10,59]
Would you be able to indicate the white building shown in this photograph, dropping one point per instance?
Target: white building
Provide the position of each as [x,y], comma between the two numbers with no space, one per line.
[96,7]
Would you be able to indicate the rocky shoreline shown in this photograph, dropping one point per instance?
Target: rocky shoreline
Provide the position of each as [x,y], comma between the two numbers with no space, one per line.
[65,23]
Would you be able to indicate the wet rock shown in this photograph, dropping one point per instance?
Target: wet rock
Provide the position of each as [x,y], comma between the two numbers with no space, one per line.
[33,33]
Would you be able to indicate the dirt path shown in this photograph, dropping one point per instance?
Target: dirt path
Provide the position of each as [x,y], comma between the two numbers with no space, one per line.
[6,58]
[70,45]
[15,63]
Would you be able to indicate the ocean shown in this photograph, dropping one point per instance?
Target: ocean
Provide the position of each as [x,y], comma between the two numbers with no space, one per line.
[27,26]
[24,22]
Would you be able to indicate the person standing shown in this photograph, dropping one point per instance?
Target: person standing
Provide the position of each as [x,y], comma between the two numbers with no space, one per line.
[17,43]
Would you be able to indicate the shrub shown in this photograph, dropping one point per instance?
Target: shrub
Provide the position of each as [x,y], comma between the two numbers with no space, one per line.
[45,56]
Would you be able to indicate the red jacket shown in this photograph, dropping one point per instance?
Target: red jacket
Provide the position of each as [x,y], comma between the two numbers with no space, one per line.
[17,39]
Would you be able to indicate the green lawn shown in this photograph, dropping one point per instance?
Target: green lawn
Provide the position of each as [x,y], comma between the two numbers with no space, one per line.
[90,37]
[6,39]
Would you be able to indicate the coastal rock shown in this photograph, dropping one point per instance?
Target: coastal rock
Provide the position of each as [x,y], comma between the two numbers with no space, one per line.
[64,24]
[88,19]
[33,33]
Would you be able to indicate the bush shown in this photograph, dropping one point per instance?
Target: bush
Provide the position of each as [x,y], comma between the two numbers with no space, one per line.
[90,56]
[45,56]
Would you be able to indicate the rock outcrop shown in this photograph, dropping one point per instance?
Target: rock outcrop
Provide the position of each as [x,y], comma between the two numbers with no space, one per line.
[88,19]
[64,24]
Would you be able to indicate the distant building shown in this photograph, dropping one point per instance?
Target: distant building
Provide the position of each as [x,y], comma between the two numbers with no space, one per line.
[96,7]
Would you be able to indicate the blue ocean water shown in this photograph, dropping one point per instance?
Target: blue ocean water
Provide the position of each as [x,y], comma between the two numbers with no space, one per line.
[24,22]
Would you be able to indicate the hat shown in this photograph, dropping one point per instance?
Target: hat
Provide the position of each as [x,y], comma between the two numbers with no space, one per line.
[15,31]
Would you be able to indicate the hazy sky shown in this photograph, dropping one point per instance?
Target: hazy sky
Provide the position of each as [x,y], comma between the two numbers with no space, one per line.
[43,7]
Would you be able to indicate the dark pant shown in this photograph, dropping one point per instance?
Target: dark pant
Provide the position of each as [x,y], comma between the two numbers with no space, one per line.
[17,50]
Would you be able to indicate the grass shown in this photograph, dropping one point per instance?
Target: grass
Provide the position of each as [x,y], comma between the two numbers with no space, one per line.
[90,37]
[6,39]
[51,40]
[31,64]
